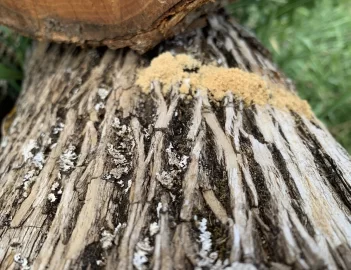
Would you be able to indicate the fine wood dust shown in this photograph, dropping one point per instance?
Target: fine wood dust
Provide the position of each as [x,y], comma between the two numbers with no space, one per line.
[217,82]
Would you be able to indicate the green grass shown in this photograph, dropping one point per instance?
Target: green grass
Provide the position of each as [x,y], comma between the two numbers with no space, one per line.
[12,56]
[311,41]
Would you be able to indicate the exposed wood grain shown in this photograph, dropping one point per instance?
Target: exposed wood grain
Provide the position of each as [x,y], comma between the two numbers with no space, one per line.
[139,24]
[96,175]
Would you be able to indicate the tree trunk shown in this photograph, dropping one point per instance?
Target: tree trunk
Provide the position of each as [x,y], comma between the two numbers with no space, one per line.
[96,174]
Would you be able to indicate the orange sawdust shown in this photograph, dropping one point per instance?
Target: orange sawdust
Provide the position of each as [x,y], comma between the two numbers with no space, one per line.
[217,81]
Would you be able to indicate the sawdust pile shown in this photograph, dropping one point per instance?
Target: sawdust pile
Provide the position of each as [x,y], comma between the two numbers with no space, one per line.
[217,81]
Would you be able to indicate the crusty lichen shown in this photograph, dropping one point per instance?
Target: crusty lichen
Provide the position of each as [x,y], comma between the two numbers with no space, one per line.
[21,261]
[217,82]
[68,158]
[143,250]
[207,259]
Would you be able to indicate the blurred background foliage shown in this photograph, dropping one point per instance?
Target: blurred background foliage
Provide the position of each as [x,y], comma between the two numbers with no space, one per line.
[13,48]
[309,39]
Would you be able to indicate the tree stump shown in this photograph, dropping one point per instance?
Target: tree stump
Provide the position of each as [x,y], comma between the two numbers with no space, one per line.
[97,173]
[138,24]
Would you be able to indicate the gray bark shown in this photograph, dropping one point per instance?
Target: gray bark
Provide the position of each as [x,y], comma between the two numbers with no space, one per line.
[148,181]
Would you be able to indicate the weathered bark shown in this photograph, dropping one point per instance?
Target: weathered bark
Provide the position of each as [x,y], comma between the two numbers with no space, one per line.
[95,174]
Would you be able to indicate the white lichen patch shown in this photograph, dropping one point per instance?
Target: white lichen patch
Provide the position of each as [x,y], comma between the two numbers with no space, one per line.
[167,178]
[206,257]
[55,186]
[51,197]
[116,122]
[26,187]
[100,263]
[179,164]
[55,192]
[118,157]
[121,183]
[122,152]
[38,160]
[103,93]
[28,179]
[125,132]
[142,251]
[27,150]
[32,155]
[99,106]
[58,128]
[118,172]
[119,227]
[28,175]
[122,130]
[108,238]
[120,160]
[154,228]
[107,177]
[67,159]
[205,236]
[183,162]
[21,261]
[174,159]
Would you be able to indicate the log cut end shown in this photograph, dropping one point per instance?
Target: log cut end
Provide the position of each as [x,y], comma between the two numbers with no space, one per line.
[139,24]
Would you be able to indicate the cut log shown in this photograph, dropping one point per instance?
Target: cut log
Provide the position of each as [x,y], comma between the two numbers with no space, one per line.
[99,172]
[139,24]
